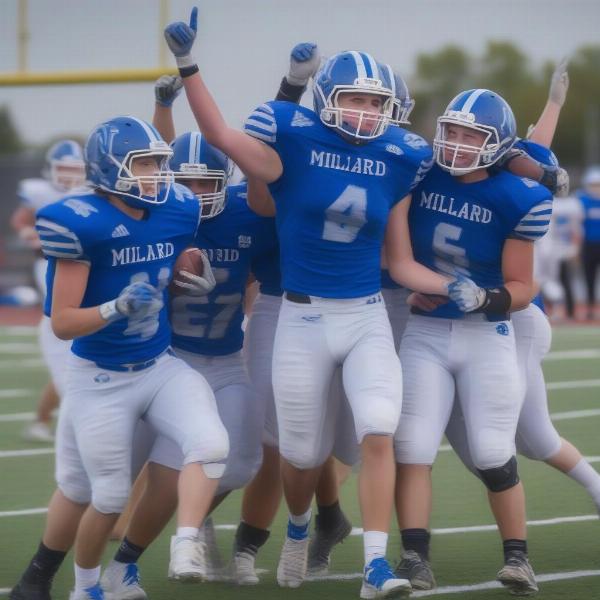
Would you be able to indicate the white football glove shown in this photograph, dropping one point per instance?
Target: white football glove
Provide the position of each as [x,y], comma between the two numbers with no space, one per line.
[560,83]
[139,300]
[304,63]
[466,293]
[197,285]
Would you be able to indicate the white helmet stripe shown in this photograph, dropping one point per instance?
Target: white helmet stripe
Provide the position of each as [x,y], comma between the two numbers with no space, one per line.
[468,105]
[152,137]
[373,65]
[361,70]
[392,79]
[195,142]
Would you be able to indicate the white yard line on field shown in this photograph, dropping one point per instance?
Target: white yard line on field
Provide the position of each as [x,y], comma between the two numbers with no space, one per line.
[19,330]
[25,452]
[26,363]
[8,394]
[12,417]
[575,414]
[480,528]
[461,589]
[19,348]
[571,385]
[572,354]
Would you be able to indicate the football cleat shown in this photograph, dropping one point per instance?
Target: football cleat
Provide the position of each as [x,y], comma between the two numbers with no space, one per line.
[31,591]
[122,582]
[188,559]
[321,544]
[380,582]
[243,569]
[38,432]
[94,592]
[517,575]
[291,570]
[417,570]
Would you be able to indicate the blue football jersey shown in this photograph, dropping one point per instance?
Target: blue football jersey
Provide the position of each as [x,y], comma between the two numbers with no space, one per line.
[119,250]
[212,324]
[591,217]
[461,228]
[334,198]
[265,269]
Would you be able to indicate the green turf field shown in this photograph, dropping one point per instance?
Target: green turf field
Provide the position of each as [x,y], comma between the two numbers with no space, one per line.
[565,553]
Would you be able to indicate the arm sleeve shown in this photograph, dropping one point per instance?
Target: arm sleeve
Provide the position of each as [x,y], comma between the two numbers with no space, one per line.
[535,223]
[59,241]
[289,92]
[262,124]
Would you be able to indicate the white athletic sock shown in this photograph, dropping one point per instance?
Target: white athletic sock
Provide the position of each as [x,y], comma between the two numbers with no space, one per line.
[187,532]
[301,520]
[86,578]
[375,545]
[584,474]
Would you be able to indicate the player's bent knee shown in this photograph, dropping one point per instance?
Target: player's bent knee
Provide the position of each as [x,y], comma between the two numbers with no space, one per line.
[500,479]
[79,494]
[212,451]
[213,470]
[111,498]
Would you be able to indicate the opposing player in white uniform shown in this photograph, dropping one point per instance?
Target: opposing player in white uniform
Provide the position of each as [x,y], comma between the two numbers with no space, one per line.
[336,175]
[64,172]
[111,254]
[468,222]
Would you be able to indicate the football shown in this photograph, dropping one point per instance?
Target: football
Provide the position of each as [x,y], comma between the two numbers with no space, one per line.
[189,260]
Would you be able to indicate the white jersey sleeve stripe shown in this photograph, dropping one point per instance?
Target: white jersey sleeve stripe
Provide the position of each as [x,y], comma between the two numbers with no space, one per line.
[58,241]
[535,223]
[261,124]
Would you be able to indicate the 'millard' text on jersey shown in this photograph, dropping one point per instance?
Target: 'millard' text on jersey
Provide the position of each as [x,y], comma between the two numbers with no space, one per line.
[139,254]
[352,164]
[468,211]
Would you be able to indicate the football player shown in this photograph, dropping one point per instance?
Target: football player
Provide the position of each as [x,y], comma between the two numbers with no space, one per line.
[468,222]
[336,175]
[64,172]
[111,253]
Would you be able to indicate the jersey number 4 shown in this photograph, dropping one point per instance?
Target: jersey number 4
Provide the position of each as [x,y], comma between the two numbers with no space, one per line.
[345,217]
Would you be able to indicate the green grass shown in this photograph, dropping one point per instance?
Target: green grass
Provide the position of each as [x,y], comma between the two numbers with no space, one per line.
[459,500]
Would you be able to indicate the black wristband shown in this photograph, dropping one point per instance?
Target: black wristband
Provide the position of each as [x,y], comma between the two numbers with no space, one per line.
[497,301]
[289,92]
[188,71]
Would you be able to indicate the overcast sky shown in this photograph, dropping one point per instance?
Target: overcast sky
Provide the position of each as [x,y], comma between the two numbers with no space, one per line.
[243,46]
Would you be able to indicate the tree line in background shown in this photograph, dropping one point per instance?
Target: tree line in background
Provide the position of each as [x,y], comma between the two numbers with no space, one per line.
[503,67]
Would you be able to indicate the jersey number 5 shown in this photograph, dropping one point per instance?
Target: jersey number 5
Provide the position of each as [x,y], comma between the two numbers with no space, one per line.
[345,217]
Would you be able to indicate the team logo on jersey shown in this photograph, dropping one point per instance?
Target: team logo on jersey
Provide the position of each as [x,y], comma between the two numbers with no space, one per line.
[502,329]
[351,164]
[415,141]
[102,378]
[79,207]
[393,149]
[244,241]
[120,231]
[300,120]
[311,318]
[139,254]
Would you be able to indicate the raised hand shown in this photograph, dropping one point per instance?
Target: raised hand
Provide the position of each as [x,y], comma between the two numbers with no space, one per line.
[559,84]
[304,63]
[166,89]
[180,36]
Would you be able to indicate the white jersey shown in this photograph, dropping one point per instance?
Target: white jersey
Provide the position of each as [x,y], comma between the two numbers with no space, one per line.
[36,193]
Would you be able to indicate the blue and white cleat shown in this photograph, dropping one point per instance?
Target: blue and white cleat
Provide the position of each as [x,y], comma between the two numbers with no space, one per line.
[291,570]
[379,581]
[94,592]
[121,581]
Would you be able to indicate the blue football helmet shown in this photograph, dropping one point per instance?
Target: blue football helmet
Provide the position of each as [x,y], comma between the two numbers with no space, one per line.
[195,159]
[110,152]
[484,112]
[64,166]
[354,72]
[403,103]
[591,181]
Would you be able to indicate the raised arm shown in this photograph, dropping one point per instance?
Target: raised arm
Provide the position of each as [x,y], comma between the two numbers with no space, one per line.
[545,128]
[166,89]
[253,157]
[403,268]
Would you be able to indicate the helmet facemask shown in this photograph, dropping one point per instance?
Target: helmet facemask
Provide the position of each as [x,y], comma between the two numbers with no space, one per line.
[460,158]
[67,174]
[142,189]
[358,124]
[213,202]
